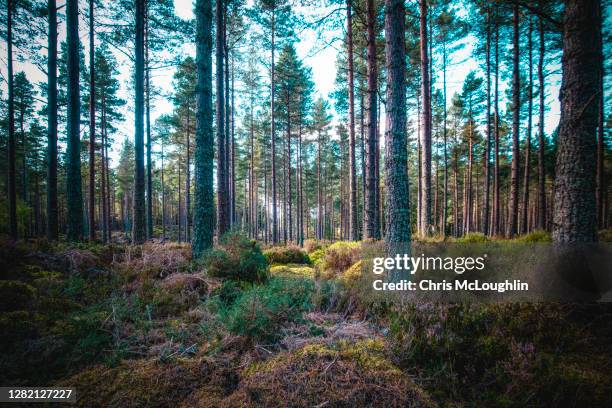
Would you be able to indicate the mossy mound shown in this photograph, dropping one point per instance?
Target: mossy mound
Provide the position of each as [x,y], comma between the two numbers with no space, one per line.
[353,274]
[153,384]
[292,270]
[349,375]
[339,257]
[286,255]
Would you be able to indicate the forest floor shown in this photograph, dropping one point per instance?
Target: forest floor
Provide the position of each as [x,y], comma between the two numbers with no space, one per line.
[146,325]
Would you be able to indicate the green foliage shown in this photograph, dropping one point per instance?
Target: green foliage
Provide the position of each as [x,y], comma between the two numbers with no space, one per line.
[472,238]
[535,236]
[237,258]
[260,312]
[286,255]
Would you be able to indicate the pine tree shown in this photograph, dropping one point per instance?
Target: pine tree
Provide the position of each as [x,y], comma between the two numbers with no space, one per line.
[204,151]
[74,195]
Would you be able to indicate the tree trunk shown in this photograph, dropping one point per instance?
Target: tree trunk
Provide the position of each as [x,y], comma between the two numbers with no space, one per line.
[425,135]
[148,120]
[188,181]
[397,214]
[541,140]
[496,181]
[353,234]
[52,222]
[73,172]
[516,108]
[601,190]
[526,175]
[92,126]
[371,228]
[273,137]
[487,156]
[575,218]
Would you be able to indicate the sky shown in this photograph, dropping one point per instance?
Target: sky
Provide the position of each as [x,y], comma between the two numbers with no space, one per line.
[315,52]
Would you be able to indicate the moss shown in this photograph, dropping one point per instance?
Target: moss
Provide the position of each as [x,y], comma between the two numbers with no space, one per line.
[292,270]
[150,383]
[347,374]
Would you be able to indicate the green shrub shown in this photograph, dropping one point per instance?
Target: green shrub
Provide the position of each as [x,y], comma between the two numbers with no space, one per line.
[15,295]
[260,312]
[237,258]
[317,256]
[472,238]
[286,255]
[535,236]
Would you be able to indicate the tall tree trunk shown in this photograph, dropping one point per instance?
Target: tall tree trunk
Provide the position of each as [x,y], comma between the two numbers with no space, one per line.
[92,126]
[73,172]
[601,191]
[273,137]
[425,135]
[203,217]
[487,155]
[445,135]
[148,120]
[353,234]
[52,222]
[163,186]
[222,199]
[188,181]
[541,223]
[12,191]
[524,208]
[371,227]
[104,187]
[397,213]
[575,218]
[139,222]
[319,190]
[233,146]
[516,109]
[496,181]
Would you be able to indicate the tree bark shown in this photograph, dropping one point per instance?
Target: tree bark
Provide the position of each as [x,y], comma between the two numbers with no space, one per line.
[52,222]
[487,157]
[139,222]
[204,211]
[516,108]
[397,205]
[74,196]
[371,227]
[273,137]
[92,126]
[575,218]
[526,174]
[222,198]
[148,120]
[425,135]
[353,234]
[541,223]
